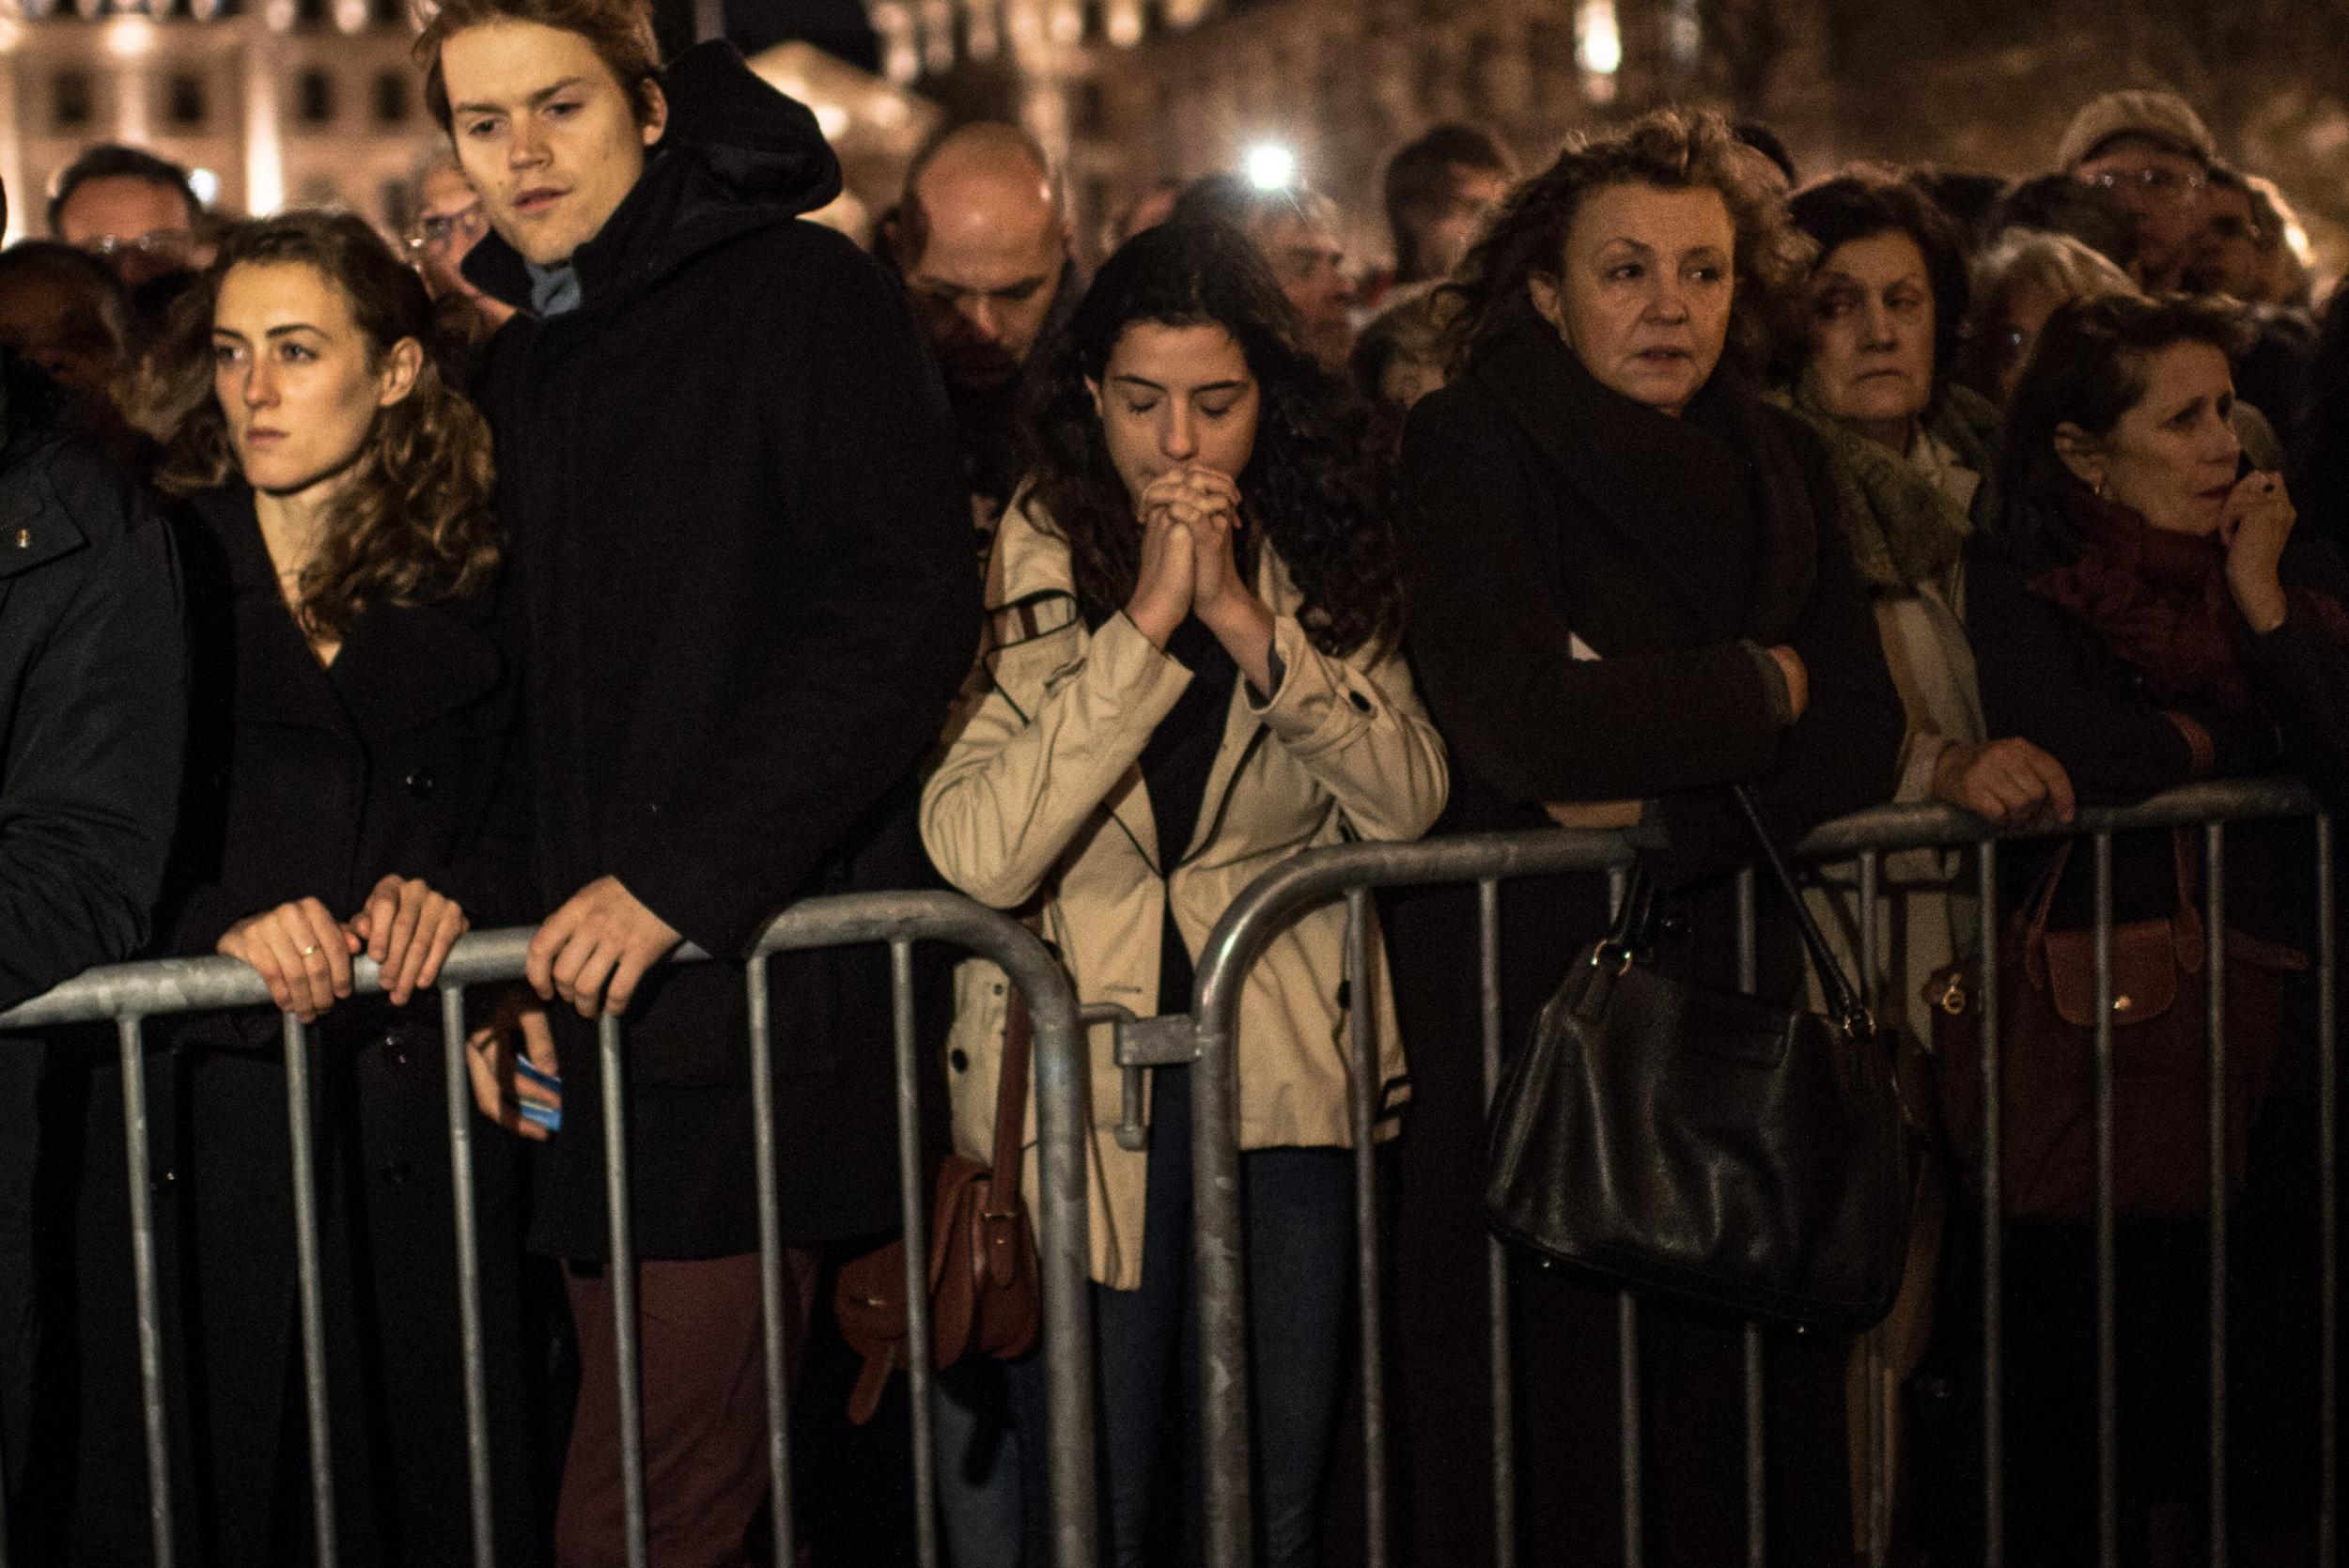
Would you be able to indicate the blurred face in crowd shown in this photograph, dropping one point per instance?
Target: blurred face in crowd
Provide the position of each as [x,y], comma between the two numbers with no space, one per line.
[2172,457]
[2029,304]
[2162,189]
[1306,260]
[990,263]
[546,132]
[1444,241]
[139,227]
[1172,397]
[1871,325]
[1643,294]
[449,224]
[2228,258]
[296,379]
[58,320]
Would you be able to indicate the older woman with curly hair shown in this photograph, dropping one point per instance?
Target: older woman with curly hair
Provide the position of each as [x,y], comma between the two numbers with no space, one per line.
[350,792]
[1194,675]
[1628,593]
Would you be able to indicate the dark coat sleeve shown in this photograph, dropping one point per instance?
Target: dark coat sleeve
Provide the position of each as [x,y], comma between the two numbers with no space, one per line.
[1844,753]
[92,777]
[852,681]
[1491,642]
[2302,673]
[2044,678]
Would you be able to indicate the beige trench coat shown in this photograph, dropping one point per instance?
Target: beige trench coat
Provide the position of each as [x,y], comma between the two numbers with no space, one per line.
[1039,791]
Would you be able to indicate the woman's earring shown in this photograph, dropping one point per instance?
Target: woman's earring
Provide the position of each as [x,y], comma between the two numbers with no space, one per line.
[2100,486]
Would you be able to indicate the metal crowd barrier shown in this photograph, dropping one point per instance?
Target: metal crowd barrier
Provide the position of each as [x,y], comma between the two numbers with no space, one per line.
[131,994]
[1351,872]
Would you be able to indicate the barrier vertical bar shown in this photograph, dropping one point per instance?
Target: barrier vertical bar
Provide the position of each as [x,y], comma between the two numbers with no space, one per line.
[771,1311]
[150,1327]
[1757,1472]
[1362,1094]
[1221,1269]
[1877,1429]
[913,1198]
[306,1196]
[1627,1388]
[2108,1404]
[2328,1240]
[1992,1215]
[1496,1255]
[2215,934]
[622,1267]
[458,1088]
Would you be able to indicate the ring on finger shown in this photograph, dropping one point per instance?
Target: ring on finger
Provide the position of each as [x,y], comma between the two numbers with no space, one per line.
[310,951]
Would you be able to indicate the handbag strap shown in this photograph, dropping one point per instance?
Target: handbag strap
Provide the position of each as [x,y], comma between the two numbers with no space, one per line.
[1843,997]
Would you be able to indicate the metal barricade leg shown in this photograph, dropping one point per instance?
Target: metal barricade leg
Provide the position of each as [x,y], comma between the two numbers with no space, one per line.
[2215,933]
[1757,1459]
[2329,1241]
[2108,1401]
[1221,1269]
[1628,1395]
[1877,1425]
[460,1110]
[913,1198]
[1496,1255]
[159,1513]
[306,1196]
[1361,1096]
[1993,1231]
[770,1261]
[622,1264]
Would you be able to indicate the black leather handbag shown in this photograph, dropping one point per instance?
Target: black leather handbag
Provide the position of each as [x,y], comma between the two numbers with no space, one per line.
[1707,1144]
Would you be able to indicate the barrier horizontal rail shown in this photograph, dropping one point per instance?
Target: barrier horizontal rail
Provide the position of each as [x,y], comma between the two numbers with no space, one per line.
[129,995]
[1347,872]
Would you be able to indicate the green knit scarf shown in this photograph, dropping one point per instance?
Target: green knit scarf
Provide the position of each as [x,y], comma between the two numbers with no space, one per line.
[1903,528]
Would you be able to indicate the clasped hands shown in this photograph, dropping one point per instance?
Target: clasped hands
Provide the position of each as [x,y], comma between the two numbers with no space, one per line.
[1189,566]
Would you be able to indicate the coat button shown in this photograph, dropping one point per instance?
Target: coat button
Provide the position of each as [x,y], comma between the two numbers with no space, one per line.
[162,1181]
[959,1060]
[396,1172]
[392,1049]
[1362,704]
[420,781]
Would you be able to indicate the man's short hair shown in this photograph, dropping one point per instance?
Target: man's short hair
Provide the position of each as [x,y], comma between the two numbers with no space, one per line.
[619,31]
[112,161]
[1423,175]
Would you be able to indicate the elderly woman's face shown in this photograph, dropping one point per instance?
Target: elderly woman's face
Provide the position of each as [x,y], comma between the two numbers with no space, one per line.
[1871,325]
[1643,293]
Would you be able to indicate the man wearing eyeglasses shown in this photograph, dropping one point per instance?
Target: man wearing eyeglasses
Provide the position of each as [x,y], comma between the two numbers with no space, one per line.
[132,209]
[2152,152]
[449,222]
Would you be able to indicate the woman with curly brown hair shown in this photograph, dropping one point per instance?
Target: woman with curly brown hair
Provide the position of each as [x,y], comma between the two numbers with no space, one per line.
[1628,593]
[1193,676]
[351,784]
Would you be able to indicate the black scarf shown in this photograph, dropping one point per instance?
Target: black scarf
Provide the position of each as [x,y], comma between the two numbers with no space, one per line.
[1717,499]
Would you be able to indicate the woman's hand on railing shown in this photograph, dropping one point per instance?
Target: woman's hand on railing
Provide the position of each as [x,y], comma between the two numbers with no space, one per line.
[2011,782]
[301,950]
[408,930]
[499,1086]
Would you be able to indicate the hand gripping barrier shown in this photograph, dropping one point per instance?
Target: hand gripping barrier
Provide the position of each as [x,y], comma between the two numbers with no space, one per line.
[129,995]
[1351,871]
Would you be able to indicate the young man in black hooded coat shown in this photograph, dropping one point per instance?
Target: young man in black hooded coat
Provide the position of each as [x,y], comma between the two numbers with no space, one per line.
[735,500]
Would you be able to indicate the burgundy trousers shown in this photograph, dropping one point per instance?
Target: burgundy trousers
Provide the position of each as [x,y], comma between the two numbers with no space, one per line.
[704,1411]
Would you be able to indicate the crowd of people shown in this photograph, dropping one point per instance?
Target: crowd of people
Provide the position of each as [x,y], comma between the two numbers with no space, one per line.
[633,557]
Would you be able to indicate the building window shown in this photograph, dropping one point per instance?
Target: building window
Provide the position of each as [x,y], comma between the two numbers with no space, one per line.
[391,98]
[72,100]
[184,104]
[314,98]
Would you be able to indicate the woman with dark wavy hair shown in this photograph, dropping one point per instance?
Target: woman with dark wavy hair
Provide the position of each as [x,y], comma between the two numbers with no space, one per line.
[1628,592]
[350,791]
[1193,675]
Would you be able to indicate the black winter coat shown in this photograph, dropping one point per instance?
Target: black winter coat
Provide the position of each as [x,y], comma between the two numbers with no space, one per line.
[735,498]
[1540,508]
[304,779]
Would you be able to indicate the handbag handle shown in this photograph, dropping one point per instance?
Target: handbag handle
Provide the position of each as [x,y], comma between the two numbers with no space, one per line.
[1843,997]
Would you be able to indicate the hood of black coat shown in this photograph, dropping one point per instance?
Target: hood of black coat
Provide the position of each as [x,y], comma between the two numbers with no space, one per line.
[736,156]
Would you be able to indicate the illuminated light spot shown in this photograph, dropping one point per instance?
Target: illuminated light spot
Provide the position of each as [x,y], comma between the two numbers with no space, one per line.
[1270,166]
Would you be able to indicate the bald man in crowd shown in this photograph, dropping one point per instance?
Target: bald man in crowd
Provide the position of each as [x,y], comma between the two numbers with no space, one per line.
[982,238]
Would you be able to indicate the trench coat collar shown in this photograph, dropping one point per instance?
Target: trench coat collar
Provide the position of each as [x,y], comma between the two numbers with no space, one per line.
[1646,473]
[400,666]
